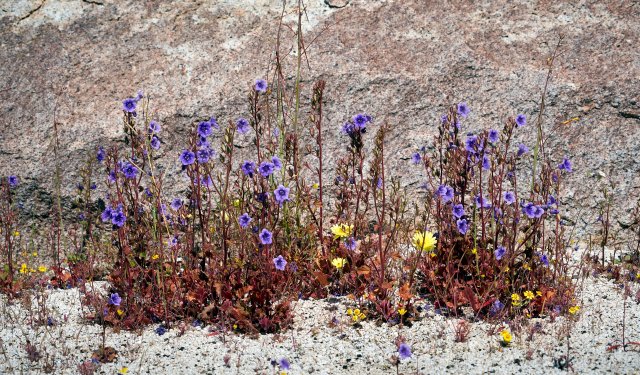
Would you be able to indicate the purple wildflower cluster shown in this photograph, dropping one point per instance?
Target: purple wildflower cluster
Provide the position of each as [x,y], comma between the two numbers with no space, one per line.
[532,211]
[281,194]
[445,192]
[357,125]
[114,216]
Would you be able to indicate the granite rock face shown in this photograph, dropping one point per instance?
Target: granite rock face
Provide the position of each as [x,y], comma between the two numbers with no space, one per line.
[72,62]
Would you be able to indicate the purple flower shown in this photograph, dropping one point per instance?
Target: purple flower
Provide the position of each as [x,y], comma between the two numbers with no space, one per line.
[261,86]
[266,237]
[282,194]
[350,243]
[538,211]
[404,351]
[187,157]
[242,125]
[463,109]
[176,204]
[500,251]
[521,120]
[529,209]
[114,299]
[129,170]
[161,330]
[106,215]
[446,192]
[494,136]
[522,149]
[100,155]
[444,119]
[154,127]
[462,225]
[203,155]
[248,167]
[509,197]
[204,129]
[482,202]
[13,181]
[112,176]
[565,165]
[416,158]
[544,259]
[139,95]
[360,120]
[244,220]
[470,143]
[206,181]
[496,307]
[486,163]
[279,262]
[266,169]
[129,105]
[118,218]
[458,211]
[155,143]
[284,363]
[277,164]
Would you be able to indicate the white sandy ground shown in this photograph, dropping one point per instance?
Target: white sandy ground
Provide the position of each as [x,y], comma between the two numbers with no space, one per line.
[314,347]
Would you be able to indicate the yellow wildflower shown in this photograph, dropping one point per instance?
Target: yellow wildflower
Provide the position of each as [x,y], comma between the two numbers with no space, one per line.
[123,370]
[539,293]
[24,268]
[119,312]
[526,266]
[402,311]
[424,241]
[339,262]
[356,315]
[506,337]
[574,309]
[155,256]
[16,233]
[315,186]
[474,251]
[42,269]
[515,299]
[35,254]
[236,203]
[342,230]
[529,295]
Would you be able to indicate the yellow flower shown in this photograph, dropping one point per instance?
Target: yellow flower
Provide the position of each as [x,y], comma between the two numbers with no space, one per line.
[119,312]
[424,241]
[42,269]
[526,266]
[339,262]
[35,254]
[529,295]
[236,203]
[155,256]
[539,293]
[315,186]
[16,233]
[356,315]
[123,370]
[474,251]
[506,337]
[402,311]
[574,309]
[515,299]
[342,230]
[23,268]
